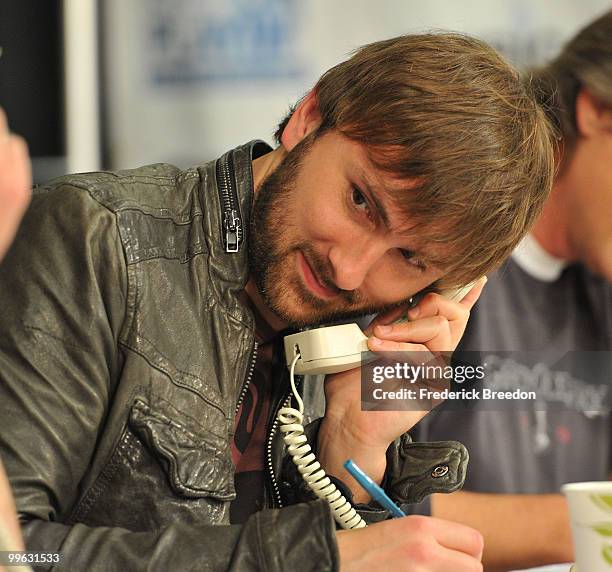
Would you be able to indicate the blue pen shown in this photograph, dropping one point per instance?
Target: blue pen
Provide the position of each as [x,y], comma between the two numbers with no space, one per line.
[370,487]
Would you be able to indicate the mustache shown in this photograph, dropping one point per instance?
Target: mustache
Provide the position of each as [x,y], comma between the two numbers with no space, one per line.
[324,272]
[357,304]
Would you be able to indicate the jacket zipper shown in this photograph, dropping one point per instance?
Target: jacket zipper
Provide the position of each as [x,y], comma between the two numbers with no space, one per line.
[230,211]
[276,496]
[232,240]
[247,381]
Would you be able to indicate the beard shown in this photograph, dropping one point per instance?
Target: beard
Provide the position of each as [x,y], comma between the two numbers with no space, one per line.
[274,245]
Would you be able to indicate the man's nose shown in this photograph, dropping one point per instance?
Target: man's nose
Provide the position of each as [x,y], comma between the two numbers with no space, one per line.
[351,262]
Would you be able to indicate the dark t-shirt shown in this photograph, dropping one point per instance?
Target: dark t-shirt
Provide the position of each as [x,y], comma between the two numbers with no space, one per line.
[248,445]
[251,426]
[532,451]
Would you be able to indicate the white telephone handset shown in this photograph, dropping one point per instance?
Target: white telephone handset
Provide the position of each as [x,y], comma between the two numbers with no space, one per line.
[326,350]
[333,349]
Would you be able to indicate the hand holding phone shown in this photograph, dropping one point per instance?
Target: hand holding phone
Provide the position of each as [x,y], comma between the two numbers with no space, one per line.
[436,324]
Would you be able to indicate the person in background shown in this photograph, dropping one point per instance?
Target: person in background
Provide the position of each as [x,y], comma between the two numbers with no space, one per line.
[15,184]
[554,293]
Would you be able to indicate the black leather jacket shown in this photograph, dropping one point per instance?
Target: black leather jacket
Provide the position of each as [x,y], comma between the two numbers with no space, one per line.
[123,351]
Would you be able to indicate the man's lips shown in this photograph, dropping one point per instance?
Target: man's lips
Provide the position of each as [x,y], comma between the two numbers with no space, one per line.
[312,281]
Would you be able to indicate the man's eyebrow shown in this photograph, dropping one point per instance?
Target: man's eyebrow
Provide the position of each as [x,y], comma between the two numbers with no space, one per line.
[373,191]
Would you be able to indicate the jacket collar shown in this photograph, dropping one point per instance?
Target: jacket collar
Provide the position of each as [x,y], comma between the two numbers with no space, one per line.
[229,271]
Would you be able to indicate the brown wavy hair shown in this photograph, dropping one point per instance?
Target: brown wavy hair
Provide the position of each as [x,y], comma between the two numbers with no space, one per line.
[448,115]
[585,62]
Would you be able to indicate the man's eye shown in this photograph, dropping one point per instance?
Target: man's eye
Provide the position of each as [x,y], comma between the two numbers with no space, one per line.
[410,257]
[359,200]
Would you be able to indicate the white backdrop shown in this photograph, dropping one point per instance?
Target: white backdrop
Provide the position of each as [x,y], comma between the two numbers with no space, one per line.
[189,79]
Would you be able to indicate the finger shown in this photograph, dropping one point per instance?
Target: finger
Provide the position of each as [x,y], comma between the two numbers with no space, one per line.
[436,305]
[20,161]
[392,353]
[15,174]
[421,331]
[456,536]
[19,146]
[388,350]
[472,296]
[458,560]
[379,345]
[387,318]
[3,124]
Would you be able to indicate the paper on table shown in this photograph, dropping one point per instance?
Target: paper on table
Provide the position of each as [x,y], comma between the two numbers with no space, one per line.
[551,568]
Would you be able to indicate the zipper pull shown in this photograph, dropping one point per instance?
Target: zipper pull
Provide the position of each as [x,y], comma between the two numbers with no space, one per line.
[231,224]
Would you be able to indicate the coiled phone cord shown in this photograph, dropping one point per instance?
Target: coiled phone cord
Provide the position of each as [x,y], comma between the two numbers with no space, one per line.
[297,444]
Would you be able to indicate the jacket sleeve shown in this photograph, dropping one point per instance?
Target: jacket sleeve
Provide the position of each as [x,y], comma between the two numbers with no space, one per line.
[62,305]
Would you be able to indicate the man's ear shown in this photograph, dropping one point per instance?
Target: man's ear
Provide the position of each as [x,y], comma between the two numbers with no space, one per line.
[305,119]
[592,116]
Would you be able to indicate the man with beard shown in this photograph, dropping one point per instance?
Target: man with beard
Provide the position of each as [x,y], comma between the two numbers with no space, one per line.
[143,310]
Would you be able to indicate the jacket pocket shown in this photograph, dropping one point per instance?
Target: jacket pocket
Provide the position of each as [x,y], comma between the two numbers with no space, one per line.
[164,469]
[194,465]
